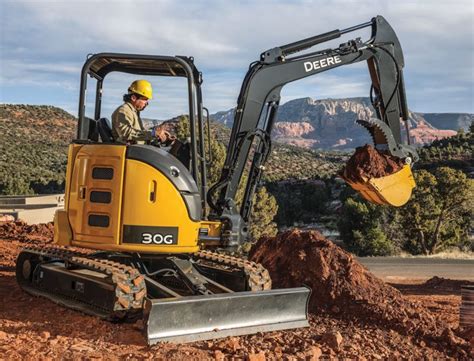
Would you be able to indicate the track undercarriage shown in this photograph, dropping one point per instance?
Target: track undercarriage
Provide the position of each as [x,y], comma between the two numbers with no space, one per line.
[182,297]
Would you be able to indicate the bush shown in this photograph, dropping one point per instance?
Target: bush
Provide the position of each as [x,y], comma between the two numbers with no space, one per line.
[361,231]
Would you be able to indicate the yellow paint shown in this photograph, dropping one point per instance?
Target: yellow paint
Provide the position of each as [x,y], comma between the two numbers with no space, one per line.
[62,228]
[166,210]
[82,184]
[132,203]
[72,152]
[394,189]
[214,228]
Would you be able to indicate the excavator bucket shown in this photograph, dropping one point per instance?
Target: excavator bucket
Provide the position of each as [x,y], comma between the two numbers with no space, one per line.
[394,189]
[207,317]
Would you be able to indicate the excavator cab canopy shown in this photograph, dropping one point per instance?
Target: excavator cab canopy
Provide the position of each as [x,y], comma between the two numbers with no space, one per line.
[98,66]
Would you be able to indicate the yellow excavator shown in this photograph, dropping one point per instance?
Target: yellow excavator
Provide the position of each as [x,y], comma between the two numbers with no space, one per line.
[158,238]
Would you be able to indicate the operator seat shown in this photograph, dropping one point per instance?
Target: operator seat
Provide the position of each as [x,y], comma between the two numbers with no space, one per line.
[105,131]
[93,132]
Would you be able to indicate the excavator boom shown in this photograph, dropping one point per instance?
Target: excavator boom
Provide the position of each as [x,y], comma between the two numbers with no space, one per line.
[260,97]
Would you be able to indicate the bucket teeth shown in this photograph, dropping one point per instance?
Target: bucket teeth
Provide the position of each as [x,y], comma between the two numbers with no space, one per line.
[376,129]
[368,126]
[382,135]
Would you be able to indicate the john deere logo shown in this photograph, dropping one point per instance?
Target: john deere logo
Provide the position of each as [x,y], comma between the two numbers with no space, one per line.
[318,64]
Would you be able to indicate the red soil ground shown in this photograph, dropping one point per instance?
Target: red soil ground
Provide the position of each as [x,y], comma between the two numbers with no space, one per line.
[353,314]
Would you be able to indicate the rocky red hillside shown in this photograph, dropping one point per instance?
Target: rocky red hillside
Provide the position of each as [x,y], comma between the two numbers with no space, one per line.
[330,123]
[424,133]
[37,123]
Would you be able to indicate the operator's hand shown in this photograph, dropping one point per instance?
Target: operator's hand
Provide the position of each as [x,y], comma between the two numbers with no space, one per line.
[171,139]
[164,136]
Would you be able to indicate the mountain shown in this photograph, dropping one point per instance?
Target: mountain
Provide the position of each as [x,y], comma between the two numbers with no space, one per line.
[34,142]
[453,121]
[330,123]
[33,148]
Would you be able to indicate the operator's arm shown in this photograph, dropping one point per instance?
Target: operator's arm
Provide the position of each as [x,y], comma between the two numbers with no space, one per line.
[127,128]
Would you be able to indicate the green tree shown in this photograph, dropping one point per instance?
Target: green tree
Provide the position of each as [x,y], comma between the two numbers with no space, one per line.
[361,230]
[16,186]
[33,158]
[182,128]
[217,149]
[264,204]
[299,201]
[264,210]
[217,157]
[288,198]
[440,211]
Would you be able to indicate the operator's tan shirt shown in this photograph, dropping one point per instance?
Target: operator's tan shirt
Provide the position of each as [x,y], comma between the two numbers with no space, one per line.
[127,127]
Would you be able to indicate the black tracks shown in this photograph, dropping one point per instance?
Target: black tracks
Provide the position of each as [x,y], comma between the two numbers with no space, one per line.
[128,289]
[258,276]
[126,285]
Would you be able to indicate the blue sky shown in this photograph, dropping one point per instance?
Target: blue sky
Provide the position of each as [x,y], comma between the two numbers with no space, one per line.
[44,44]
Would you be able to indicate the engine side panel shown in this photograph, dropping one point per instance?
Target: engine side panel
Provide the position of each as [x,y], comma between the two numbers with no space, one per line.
[155,217]
[120,204]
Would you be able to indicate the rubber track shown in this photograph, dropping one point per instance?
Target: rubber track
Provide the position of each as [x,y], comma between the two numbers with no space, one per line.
[130,288]
[257,275]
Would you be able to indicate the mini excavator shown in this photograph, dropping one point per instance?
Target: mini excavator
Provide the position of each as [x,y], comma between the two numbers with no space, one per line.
[159,239]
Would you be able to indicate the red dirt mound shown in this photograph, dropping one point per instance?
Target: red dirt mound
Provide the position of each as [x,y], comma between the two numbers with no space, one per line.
[446,284]
[19,230]
[368,162]
[339,283]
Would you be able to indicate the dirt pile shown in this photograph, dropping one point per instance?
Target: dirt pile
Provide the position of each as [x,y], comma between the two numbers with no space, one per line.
[444,284]
[340,284]
[368,162]
[25,233]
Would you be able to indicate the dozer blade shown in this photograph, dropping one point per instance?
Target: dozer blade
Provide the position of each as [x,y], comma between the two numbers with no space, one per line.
[207,317]
[394,189]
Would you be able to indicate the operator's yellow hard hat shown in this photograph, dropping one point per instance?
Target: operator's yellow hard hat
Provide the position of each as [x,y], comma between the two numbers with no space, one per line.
[141,87]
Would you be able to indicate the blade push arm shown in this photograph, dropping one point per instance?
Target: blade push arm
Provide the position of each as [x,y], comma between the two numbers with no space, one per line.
[260,96]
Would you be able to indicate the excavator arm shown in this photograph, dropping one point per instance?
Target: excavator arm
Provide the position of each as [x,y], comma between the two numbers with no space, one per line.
[260,97]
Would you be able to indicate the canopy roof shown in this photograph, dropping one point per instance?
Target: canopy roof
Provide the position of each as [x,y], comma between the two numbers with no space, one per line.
[99,65]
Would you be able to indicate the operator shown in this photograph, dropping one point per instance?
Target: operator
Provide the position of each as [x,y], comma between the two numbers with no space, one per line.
[127,126]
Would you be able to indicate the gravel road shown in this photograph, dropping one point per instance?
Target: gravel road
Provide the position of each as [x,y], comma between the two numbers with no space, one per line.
[398,268]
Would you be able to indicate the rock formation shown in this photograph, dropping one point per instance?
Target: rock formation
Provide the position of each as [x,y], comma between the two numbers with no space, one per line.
[330,123]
